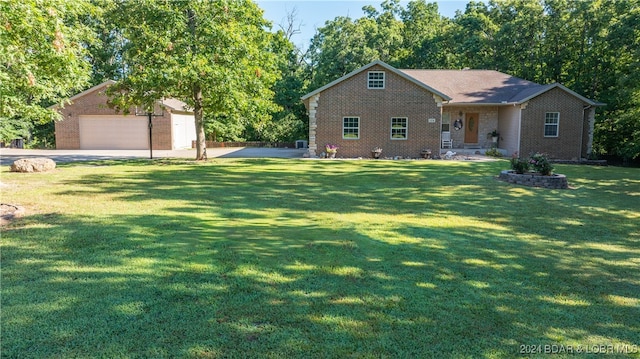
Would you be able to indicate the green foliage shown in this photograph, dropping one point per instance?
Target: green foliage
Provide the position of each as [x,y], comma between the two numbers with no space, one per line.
[493,152]
[42,61]
[540,163]
[106,52]
[620,135]
[290,121]
[425,37]
[590,46]
[520,165]
[399,259]
[213,55]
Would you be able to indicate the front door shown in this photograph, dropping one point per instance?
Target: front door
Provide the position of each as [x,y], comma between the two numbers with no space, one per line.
[471,128]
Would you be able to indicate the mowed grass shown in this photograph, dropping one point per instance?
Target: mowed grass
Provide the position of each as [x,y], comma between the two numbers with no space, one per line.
[318,259]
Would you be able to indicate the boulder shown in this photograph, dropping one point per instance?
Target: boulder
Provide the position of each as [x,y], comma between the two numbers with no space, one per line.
[39,164]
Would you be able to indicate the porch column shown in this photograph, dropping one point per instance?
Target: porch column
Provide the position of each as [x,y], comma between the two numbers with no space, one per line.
[313,125]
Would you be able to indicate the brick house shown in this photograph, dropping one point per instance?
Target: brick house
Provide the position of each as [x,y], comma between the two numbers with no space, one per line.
[406,111]
[88,123]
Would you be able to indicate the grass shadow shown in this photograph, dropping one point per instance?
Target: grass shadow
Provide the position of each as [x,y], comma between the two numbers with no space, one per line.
[316,258]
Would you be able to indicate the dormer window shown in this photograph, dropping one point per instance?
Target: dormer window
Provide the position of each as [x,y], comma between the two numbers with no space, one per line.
[375,80]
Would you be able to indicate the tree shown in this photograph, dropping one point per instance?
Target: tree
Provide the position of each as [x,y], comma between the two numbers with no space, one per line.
[474,34]
[105,53]
[42,61]
[210,54]
[290,121]
[591,46]
[426,43]
[338,48]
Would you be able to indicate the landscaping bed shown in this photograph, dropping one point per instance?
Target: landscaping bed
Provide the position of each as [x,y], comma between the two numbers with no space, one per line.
[554,181]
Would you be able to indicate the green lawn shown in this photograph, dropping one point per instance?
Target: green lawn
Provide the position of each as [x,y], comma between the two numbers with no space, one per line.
[309,259]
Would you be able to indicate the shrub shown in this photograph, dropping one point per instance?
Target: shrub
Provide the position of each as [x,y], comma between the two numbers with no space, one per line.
[519,165]
[493,152]
[540,163]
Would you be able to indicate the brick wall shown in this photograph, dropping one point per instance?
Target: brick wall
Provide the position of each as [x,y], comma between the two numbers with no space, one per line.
[568,144]
[375,108]
[487,122]
[67,131]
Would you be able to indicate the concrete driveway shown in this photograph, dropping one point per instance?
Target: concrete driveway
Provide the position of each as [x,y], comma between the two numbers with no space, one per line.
[9,155]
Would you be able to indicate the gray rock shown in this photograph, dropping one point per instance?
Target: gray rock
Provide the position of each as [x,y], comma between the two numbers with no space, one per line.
[39,164]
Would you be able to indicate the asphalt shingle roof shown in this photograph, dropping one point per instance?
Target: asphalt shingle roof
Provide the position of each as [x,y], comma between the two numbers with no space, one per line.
[477,86]
[466,86]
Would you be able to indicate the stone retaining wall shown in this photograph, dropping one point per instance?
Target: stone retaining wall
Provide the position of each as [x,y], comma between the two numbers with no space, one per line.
[555,181]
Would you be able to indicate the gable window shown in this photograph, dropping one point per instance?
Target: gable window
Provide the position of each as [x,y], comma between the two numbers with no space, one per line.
[351,128]
[375,80]
[399,127]
[551,123]
[446,121]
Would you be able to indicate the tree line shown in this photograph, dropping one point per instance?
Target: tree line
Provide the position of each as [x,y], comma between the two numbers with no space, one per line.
[244,77]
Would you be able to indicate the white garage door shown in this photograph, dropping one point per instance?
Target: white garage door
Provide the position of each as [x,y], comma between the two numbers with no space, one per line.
[114,133]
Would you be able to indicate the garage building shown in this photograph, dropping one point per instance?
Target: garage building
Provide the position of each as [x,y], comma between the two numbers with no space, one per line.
[89,124]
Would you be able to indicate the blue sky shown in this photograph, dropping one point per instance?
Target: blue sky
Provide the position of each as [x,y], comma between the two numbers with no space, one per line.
[313,14]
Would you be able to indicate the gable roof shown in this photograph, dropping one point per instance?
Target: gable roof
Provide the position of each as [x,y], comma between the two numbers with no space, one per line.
[487,87]
[85,92]
[528,96]
[387,67]
[170,103]
[478,87]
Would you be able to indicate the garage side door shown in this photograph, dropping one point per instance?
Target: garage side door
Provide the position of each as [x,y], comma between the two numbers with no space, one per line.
[184,131]
[113,133]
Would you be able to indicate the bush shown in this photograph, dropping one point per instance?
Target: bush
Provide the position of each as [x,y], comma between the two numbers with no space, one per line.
[540,163]
[493,152]
[519,165]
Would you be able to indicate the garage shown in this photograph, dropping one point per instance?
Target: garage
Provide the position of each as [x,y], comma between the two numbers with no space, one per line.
[105,132]
[88,122]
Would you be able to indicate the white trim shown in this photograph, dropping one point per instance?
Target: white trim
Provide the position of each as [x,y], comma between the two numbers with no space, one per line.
[519,137]
[557,124]
[406,128]
[562,87]
[376,80]
[358,128]
[85,92]
[387,67]
[442,123]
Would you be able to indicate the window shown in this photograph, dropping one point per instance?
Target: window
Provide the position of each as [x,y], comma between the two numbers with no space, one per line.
[446,122]
[551,122]
[351,128]
[399,128]
[375,80]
